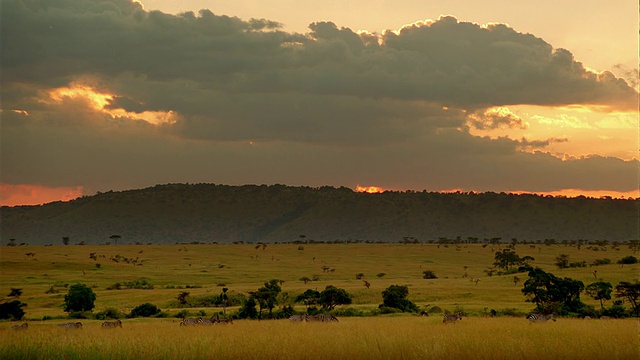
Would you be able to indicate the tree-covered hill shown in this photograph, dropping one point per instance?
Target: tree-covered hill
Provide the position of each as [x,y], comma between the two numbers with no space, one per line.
[208,213]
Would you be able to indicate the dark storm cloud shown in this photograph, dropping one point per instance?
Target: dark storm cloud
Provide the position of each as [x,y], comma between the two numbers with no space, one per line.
[328,107]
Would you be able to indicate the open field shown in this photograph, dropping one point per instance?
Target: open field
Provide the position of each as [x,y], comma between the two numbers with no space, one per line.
[244,268]
[404,337]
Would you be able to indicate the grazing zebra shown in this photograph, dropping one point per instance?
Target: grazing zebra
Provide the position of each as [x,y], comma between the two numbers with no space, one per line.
[23,326]
[537,318]
[322,317]
[76,325]
[209,321]
[452,318]
[297,318]
[188,322]
[112,324]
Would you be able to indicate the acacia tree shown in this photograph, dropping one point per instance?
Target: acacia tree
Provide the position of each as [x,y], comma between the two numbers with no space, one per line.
[309,297]
[599,290]
[332,296]
[631,292]
[550,293]
[267,296]
[507,258]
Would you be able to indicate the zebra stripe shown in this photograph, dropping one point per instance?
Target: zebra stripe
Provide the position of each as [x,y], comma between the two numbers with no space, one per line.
[22,326]
[112,324]
[322,317]
[209,321]
[537,318]
[76,325]
[298,318]
[452,318]
[190,322]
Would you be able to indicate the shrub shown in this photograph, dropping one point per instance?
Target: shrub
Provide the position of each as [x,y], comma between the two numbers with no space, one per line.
[109,313]
[182,314]
[428,274]
[598,262]
[80,298]
[80,315]
[628,260]
[395,296]
[12,310]
[144,310]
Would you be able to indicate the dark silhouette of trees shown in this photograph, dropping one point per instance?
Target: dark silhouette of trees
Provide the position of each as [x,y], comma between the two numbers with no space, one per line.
[182,297]
[12,310]
[15,292]
[562,261]
[65,240]
[144,310]
[508,258]
[248,310]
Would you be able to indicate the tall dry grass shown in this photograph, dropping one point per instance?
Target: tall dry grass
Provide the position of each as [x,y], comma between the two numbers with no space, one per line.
[406,337]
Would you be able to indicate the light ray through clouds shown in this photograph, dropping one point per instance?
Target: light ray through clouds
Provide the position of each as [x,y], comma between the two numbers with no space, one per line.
[102,95]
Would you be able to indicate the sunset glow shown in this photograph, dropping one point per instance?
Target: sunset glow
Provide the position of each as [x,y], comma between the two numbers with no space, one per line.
[12,195]
[369,189]
[100,101]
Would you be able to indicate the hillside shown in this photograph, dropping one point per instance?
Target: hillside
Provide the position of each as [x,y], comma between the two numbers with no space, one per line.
[218,213]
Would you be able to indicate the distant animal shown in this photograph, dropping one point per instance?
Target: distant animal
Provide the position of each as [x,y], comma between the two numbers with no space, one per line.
[298,318]
[540,318]
[423,313]
[452,318]
[112,324]
[322,318]
[22,326]
[189,322]
[76,325]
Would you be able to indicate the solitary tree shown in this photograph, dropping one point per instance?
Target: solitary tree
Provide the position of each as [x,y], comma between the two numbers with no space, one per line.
[182,297]
[332,296]
[12,310]
[599,291]
[15,292]
[65,240]
[562,261]
[395,296]
[80,298]
[267,296]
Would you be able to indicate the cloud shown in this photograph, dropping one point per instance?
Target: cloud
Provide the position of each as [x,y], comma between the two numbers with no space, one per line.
[180,97]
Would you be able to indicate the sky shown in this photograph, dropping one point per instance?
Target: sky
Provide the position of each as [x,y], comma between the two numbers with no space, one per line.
[458,95]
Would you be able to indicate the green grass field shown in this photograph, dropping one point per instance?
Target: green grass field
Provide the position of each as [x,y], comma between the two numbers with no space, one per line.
[244,268]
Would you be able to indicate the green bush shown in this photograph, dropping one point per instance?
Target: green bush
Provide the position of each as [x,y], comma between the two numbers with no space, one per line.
[628,260]
[109,313]
[598,262]
[144,310]
[428,274]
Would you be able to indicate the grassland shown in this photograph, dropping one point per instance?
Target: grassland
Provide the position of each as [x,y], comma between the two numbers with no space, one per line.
[244,268]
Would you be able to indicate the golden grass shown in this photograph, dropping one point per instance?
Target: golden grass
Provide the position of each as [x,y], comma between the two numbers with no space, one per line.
[405,337]
[247,268]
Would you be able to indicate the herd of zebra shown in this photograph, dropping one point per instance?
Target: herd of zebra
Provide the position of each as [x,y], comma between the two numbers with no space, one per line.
[312,318]
[447,318]
[200,321]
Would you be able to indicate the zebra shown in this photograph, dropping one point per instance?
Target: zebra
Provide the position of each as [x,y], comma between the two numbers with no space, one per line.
[209,321]
[23,326]
[297,318]
[322,317]
[76,325]
[452,318]
[112,324]
[538,318]
[188,322]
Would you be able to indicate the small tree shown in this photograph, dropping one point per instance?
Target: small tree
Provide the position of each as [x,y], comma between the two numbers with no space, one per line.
[599,291]
[628,260]
[248,310]
[15,292]
[65,240]
[182,297]
[305,279]
[428,274]
[562,261]
[549,292]
[332,296]
[80,298]
[507,259]
[395,296]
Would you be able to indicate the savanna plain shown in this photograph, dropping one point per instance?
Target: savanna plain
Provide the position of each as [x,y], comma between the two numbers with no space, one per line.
[44,273]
